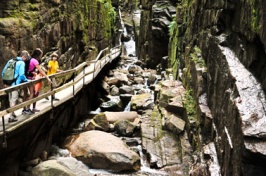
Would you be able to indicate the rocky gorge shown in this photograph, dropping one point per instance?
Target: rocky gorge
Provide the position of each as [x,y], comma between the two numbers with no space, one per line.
[147,138]
[204,62]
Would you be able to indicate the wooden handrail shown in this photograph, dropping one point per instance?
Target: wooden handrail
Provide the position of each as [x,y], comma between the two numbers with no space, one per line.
[100,57]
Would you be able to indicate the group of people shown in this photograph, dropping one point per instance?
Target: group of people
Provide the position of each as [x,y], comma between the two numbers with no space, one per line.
[31,71]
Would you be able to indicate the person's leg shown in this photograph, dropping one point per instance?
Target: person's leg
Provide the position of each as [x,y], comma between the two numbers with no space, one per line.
[36,94]
[37,89]
[31,89]
[25,97]
[55,86]
[13,97]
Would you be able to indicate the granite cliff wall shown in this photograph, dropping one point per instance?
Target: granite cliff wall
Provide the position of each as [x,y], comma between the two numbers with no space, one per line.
[217,49]
[76,29]
[220,50]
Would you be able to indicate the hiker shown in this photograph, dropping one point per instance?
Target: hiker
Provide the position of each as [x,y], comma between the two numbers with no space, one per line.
[31,65]
[37,88]
[53,67]
[20,78]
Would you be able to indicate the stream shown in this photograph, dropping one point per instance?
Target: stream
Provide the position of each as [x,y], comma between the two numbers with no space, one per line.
[58,153]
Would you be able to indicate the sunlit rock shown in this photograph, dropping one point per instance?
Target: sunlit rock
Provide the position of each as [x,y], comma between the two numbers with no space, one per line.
[102,150]
[142,102]
[99,122]
[51,168]
[115,116]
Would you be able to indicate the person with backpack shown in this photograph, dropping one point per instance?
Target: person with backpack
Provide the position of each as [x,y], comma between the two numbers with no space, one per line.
[18,76]
[31,67]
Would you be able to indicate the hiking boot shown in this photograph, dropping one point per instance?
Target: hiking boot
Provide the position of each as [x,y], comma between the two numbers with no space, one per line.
[35,110]
[12,119]
[14,115]
[55,99]
[29,112]
[23,111]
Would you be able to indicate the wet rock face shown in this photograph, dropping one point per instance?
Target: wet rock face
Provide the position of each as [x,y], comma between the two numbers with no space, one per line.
[6,7]
[153,37]
[232,50]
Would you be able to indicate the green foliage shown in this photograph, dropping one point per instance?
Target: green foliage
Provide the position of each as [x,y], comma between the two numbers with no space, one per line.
[109,14]
[190,104]
[255,15]
[173,47]
[196,57]
[172,26]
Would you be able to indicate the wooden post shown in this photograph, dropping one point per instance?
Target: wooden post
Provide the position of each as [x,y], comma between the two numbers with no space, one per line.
[51,88]
[94,69]
[74,84]
[83,76]
[4,144]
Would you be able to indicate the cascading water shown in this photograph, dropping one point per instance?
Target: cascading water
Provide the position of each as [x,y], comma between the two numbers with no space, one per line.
[145,166]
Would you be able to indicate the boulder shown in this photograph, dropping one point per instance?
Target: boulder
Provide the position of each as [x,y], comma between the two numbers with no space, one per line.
[126,90]
[114,90]
[125,128]
[115,116]
[51,168]
[99,122]
[174,124]
[142,102]
[76,166]
[101,150]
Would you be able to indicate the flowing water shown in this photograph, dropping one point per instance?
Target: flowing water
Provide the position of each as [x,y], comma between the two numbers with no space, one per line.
[145,167]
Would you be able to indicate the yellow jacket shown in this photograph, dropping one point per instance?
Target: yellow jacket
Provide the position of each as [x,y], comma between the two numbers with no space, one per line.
[52,67]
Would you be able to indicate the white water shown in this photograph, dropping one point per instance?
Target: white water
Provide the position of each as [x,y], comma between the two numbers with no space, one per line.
[130,47]
[145,167]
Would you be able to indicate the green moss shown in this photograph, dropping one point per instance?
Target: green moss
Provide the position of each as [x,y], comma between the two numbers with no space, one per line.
[109,16]
[255,25]
[156,119]
[33,7]
[196,57]
[190,104]
[172,26]
[173,48]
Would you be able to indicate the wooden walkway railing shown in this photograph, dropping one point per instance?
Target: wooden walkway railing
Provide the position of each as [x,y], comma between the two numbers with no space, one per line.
[86,72]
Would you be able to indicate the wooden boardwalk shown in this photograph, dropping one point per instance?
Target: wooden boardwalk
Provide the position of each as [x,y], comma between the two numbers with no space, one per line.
[80,76]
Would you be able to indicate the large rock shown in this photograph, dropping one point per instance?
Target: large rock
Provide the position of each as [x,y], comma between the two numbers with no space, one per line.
[162,147]
[125,128]
[126,90]
[51,168]
[172,96]
[121,77]
[174,124]
[76,166]
[99,122]
[142,102]
[115,116]
[102,150]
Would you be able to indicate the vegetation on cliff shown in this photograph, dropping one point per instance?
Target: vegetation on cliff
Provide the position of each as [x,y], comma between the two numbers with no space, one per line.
[77,30]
